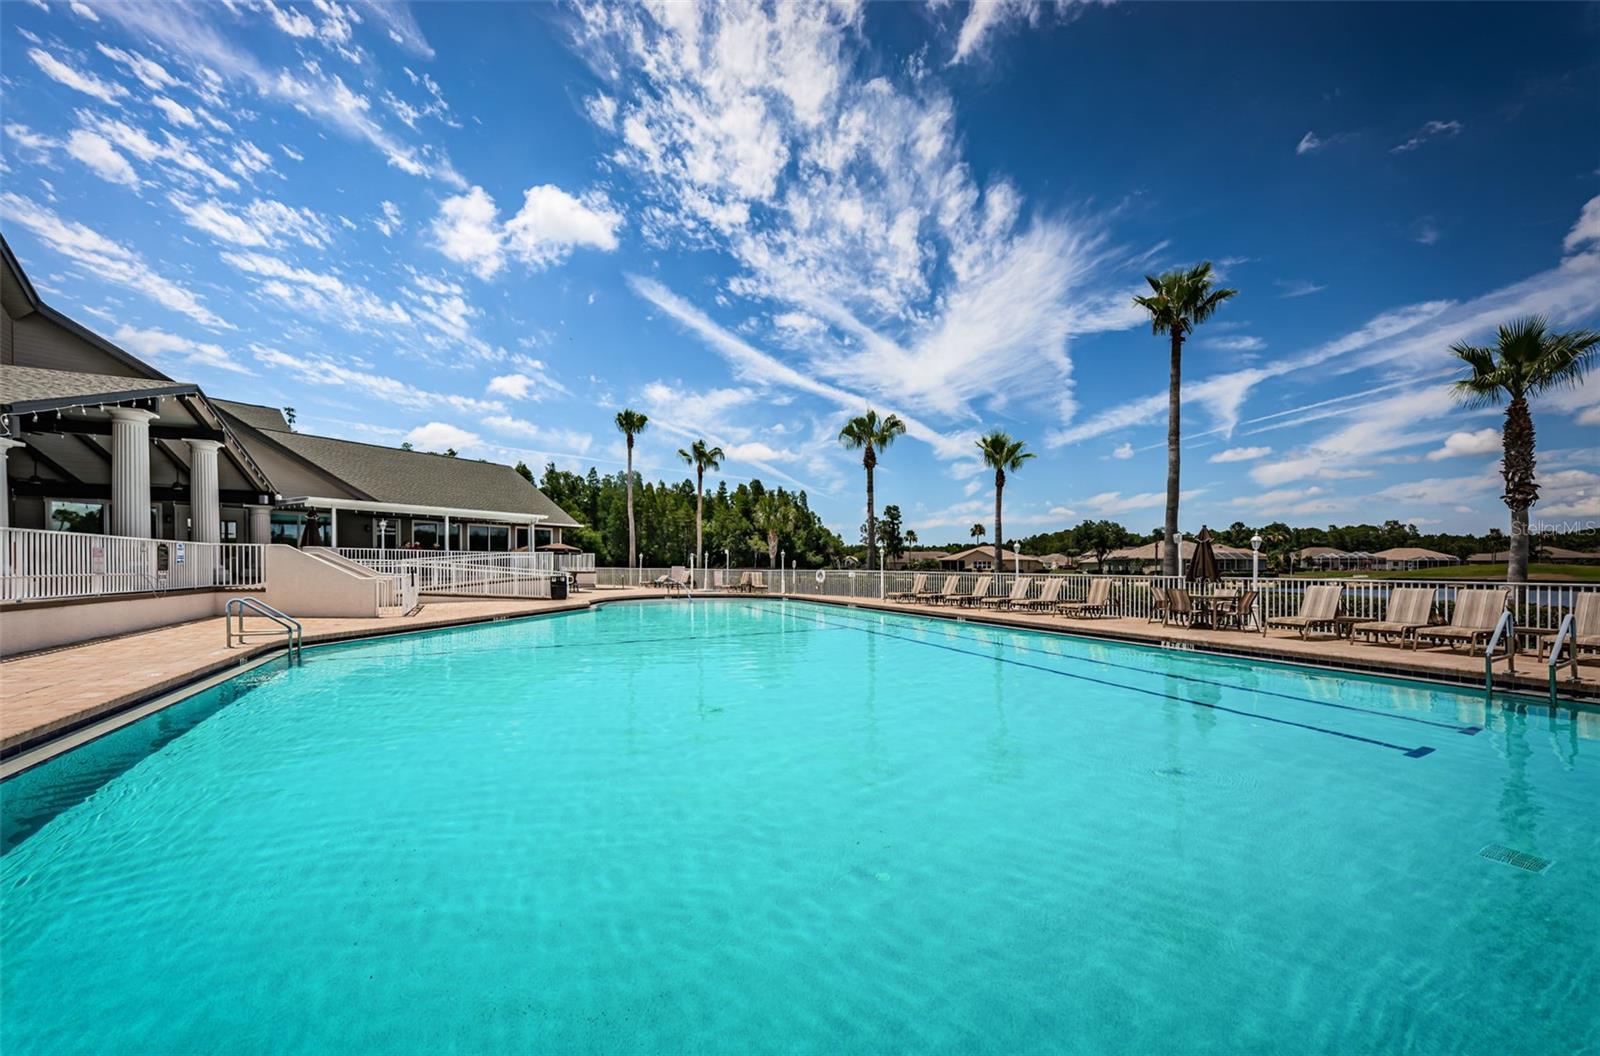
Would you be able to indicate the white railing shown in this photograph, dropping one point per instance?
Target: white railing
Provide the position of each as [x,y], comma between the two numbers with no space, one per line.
[1535,606]
[37,565]
[520,560]
[466,573]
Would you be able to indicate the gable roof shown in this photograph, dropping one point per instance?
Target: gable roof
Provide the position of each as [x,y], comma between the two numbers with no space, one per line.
[417,478]
[1412,553]
[38,389]
[255,415]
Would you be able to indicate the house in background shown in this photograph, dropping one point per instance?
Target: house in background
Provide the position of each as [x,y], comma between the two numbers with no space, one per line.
[981,559]
[1328,558]
[1410,558]
[96,440]
[1557,554]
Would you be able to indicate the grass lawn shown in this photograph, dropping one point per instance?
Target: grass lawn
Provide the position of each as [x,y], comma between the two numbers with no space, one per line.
[1496,573]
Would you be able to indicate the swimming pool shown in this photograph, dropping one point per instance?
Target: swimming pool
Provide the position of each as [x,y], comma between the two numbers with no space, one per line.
[735,826]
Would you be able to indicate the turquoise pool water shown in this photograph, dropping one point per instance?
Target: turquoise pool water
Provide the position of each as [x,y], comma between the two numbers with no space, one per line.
[758,826]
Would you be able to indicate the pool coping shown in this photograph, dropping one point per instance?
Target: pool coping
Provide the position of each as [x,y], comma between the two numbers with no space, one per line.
[45,742]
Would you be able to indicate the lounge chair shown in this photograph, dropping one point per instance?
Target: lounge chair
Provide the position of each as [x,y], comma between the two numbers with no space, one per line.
[1158,604]
[919,585]
[1096,604]
[968,597]
[1473,620]
[1049,595]
[1179,607]
[1318,610]
[1019,592]
[1585,629]
[675,579]
[758,581]
[934,596]
[1409,609]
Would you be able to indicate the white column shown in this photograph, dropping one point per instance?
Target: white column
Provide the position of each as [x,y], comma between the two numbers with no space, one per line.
[6,444]
[260,524]
[205,506]
[130,471]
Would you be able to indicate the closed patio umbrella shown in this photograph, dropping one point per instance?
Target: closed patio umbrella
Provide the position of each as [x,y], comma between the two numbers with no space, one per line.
[1203,566]
[312,536]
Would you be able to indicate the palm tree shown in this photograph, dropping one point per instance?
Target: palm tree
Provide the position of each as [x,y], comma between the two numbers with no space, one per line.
[701,458]
[631,423]
[1001,454]
[977,531]
[773,517]
[870,434]
[1180,300]
[1525,362]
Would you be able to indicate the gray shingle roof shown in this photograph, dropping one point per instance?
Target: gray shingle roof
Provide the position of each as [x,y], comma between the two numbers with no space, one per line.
[254,414]
[35,388]
[414,478]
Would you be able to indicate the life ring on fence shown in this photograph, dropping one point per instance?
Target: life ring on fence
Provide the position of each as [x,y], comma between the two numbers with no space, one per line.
[822,577]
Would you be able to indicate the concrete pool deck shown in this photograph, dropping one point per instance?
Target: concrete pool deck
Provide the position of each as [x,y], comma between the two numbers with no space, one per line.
[45,694]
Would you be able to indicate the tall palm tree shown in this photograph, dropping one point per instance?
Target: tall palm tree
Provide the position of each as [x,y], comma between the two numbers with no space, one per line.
[701,458]
[870,434]
[1003,455]
[1178,302]
[773,517]
[631,423]
[978,531]
[1526,361]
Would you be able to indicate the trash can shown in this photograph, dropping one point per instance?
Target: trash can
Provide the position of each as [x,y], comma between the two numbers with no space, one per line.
[558,588]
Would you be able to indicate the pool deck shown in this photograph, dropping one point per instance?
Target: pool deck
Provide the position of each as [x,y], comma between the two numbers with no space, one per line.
[45,694]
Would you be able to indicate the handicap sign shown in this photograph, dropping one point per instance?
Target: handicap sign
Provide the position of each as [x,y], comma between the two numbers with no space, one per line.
[178,555]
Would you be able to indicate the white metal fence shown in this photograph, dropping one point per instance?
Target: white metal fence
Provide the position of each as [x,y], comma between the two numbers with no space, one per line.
[37,565]
[1534,606]
[464,573]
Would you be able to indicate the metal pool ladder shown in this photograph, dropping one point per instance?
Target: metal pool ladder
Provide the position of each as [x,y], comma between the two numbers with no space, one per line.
[294,634]
[1505,628]
[1568,628]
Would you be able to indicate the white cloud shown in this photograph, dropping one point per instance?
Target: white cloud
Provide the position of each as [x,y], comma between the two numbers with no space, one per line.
[176,113]
[157,344]
[1586,231]
[148,72]
[389,222]
[320,293]
[1237,343]
[548,227]
[1123,450]
[1428,131]
[1297,287]
[1308,143]
[325,371]
[87,83]
[110,261]
[1111,503]
[264,222]
[84,11]
[562,441]
[1482,442]
[101,157]
[439,437]
[1240,454]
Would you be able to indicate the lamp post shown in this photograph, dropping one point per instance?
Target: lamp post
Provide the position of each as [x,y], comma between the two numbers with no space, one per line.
[783,561]
[1016,563]
[1255,560]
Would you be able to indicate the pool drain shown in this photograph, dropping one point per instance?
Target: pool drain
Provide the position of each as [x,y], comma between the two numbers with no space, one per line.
[1521,859]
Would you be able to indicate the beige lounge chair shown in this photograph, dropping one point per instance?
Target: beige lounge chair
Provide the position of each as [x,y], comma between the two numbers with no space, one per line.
[1409,609]
[1318,610]
[758,581]
[935,596]
[1158,604]
[1019,592]
[1096,604]
[919,585]
[1049,595]
[1585,628]
[1473,621]
[676,579]
[969,597]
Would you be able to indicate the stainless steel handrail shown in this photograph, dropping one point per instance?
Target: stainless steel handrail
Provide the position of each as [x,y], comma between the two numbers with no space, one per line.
[293,632]
[1567,630]
[1507,627]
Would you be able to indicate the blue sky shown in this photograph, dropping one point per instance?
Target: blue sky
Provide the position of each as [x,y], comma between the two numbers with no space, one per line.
[490,225]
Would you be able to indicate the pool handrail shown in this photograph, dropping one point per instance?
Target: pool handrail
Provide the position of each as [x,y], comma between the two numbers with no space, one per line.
[294,633]
[1506,625]
[1565,633]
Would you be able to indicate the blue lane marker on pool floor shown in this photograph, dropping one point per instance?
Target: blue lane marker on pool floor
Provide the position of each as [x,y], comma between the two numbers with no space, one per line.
[1409,752]
[1451,726]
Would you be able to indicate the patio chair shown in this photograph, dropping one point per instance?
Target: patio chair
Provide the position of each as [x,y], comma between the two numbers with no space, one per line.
[918,586]
[1179,607]
[1096,604]
[1319,610]
[1472,621]
[934,596]
[1239,617]
[962,597]
[1585,629]
[1409,609]
[758,581]
[1019,592]
[980,590]
[1049,595]
[677,578]
[1158,604]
